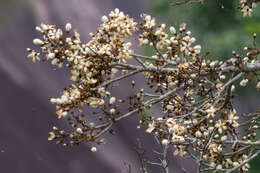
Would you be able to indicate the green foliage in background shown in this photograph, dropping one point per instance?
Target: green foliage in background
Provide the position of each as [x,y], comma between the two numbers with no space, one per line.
[217,29]
[218,26]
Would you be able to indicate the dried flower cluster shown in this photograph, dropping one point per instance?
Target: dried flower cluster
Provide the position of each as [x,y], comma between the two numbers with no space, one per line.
[198,118]
[247,6]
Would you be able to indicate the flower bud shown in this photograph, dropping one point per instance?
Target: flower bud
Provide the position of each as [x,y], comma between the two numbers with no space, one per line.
[198,134]
[51,55]
[68,27]
[112,100]
[172,30]
[112,111]
[165,142]
[94,149]
[104,19]
[258,85]
[243,82]
[39,29]
[79,130]
[37,41]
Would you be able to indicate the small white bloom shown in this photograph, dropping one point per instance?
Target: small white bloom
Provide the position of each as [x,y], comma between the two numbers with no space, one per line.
[94,149]
[165,142]
[235,164]
[121,15]
[212,64]
[233,88]
[192,40]
[53,100]
[198,47]
[258,85]
[213,164]
[68,27]
[172,30]
[112,100]
[206,134]
[104,19]
[211,129]
[150,128]
[51,55]
[64,114]
[223,138]
[54,61]
[198,134]
[39,29]
[37,41]
[245,156]
[203,64]
[79,130]
[148,18]
[145,41]
[169,107]
[219,167]
[243,82]
[222,77]
[112,111]
[193,75]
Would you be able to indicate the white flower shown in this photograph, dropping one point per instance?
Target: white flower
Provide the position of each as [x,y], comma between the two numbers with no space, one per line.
[219,167]
[37,41]
[94,149]
[172,30]
[258,85]
[223,138]
[39,29]
[51,55]
[121,15]
[53,100]
[79,130]
[150,128]
[254,5]
[112,111]
[233,88]
[213,164]
[243,82]
[51,136]
[169,107]
[68,27]
[222,77]
[211,111]
[165,142]
[104,19]
[198,134]
[212,64]
[235,164]
[112,100]
[64,114]
[54,61]
[148,18]
[198,47]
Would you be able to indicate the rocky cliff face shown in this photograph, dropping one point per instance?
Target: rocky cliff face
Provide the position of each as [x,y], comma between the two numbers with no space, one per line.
[26,115]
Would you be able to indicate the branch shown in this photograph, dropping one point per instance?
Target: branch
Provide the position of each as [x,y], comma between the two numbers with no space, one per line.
[186,2]
[244,162]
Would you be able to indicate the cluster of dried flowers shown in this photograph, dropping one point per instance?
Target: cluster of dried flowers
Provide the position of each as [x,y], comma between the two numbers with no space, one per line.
[198,118]
[247,6]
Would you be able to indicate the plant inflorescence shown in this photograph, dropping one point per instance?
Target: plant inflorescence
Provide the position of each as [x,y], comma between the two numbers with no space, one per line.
[197,117]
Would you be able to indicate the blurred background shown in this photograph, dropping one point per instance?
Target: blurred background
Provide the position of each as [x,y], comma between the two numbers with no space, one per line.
[26,114]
